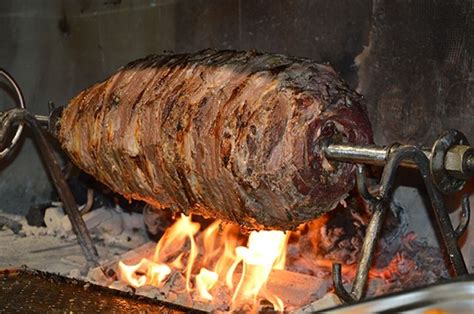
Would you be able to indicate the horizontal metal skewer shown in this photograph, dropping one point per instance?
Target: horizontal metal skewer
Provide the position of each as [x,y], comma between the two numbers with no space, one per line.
[444,169]
[371,155]
[458,160]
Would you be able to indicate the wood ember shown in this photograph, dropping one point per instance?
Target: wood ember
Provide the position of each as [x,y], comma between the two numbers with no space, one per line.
[297,289]
[231,135]
[111,225]
[311,252]
[414,264]
[157,221]
[99,218]
[336,237]
[401,262]
[53,218]
[407,262]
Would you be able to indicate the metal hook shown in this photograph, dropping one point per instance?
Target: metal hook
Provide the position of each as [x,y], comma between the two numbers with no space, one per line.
[372,232]
[361,180]
[15,116]
[465,216]
[4,152]
[367,253]
[338,286]
[449,236]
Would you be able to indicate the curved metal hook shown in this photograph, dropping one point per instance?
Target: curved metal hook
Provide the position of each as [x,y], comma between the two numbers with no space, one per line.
[372,232]
[361,180]
[465,216]
[443,223]
[21,100]
[16,116]
[449,236]
[338,286]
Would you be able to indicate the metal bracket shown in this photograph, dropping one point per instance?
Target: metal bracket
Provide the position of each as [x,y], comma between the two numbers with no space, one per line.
[17,118]
[21,102]
[465,216]
[13,117]
[379,203]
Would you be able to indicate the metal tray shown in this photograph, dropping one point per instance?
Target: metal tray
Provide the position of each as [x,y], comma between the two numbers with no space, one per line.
[451,297]
[30,291]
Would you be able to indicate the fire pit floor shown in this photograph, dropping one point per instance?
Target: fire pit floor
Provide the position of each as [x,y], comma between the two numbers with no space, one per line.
[24,290]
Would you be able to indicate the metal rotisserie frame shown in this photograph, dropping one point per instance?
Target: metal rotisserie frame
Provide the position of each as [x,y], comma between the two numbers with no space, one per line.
[444,170]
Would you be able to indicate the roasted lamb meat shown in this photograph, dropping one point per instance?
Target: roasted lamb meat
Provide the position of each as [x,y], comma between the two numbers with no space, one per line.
[230,135]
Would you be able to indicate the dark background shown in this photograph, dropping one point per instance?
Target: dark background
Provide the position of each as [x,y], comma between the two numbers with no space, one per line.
[410,59]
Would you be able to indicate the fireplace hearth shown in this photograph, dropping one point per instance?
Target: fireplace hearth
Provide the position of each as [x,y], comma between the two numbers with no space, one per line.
[261,156]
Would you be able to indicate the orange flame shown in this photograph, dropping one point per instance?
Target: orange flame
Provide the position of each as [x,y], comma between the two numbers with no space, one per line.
[263,250]
[157,273]
[222,254]
[172,242]
[225,265]
[128,275]
[205,281]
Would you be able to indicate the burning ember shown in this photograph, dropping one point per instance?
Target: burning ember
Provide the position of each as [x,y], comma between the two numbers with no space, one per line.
[222,261]
[222,269]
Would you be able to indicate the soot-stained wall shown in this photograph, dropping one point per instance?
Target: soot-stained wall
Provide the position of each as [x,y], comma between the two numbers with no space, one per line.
[417,71]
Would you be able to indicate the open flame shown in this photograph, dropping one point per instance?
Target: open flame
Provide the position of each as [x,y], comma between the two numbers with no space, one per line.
[243,269]
[264,249]
[229,271]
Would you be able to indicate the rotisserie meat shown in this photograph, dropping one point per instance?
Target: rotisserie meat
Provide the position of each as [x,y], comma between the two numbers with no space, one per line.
[230,135]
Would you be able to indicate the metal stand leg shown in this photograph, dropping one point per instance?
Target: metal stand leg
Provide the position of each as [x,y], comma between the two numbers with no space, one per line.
[379,202]
[15,116]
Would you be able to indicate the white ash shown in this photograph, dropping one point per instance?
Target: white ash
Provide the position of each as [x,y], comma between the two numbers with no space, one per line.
[110,225]
[54,248]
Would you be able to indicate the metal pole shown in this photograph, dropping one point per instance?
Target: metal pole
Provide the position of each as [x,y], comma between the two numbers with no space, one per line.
[13,116]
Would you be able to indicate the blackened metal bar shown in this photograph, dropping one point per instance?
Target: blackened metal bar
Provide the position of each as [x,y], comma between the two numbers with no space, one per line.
[337,280]
[368,249]
[42,119]
[380,204]
[362,188]
[448,235]
[378,156]
[373,155]
[445,228]
[465,216]
[21,103]
[13,116]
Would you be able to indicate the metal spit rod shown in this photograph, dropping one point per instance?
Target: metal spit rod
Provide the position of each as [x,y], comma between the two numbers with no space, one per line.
[444,169]
[458,160]
[372,155]
[16,118]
